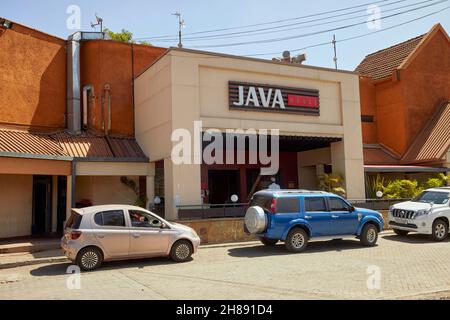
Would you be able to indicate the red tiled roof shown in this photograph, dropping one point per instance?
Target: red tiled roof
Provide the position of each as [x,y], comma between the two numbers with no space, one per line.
[376,154]
[15,141]
[382,63]
[433,141]
[63,144]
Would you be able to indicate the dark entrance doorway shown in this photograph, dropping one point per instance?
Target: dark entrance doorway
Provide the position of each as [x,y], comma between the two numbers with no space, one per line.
[222,185]
[61,203]
[42,204]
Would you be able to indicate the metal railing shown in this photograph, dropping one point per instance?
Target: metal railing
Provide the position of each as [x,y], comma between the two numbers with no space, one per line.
[236,210]
[211,211]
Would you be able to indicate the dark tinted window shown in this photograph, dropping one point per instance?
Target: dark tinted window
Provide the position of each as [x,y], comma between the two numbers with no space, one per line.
[288,205]
[315,204]
[261,201]
[98,218]
[337,204]
[74,220]
[113,218]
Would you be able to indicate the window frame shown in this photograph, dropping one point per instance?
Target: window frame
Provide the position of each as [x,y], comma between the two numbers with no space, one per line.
[107,226]
[146,228]
[297,211]
[327,208]
[348,204]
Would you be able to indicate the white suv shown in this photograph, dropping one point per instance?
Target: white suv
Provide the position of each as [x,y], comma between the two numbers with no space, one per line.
[428,213]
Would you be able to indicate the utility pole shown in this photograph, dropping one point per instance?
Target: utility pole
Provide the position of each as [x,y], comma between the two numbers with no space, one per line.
[335,52]
[99,23]
[181,25]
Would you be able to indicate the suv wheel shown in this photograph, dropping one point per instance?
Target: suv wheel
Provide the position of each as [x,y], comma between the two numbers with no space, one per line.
[402,233]
[440,230]
[297,240]
[89,258]
[369,235]
[181,251]
[268,242]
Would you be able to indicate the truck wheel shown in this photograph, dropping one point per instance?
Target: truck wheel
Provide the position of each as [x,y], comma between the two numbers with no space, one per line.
[268,242]
[297,240]
[369,235]
[439,230]
[401,233]
[89,258]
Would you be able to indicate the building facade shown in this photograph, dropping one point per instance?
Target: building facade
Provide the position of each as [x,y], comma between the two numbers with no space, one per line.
[67,127]
[405,107]
[316,111]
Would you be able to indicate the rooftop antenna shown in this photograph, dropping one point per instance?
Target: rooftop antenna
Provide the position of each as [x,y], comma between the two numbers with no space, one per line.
[181,25]
[335,52]
[99,23]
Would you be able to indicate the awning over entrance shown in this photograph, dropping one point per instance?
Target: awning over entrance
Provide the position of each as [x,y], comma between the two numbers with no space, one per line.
[393,168]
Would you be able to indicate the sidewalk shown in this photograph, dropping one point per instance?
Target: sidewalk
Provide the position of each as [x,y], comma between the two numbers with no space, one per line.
[13,260]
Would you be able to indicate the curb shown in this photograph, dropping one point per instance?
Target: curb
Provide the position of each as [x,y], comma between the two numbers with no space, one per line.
[33,262]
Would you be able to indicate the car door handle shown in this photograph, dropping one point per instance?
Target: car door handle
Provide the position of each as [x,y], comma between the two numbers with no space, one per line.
[101,236]
[308,217]
[136,235]
[334,216]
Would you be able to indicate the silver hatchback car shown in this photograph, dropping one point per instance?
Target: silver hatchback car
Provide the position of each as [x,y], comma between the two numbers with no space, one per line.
[118,232]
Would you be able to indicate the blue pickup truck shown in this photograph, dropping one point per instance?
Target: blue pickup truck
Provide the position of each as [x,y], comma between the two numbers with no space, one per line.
[297,216]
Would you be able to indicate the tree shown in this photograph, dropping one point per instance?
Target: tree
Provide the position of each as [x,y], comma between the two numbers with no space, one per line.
[124,36]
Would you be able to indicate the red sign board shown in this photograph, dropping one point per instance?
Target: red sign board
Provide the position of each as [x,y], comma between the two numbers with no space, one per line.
[303,101]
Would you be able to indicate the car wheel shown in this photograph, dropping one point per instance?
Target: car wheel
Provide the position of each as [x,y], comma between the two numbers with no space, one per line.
[369,235]
[181,251]
[268,242]
[402,233]
[440,230]
[297,240]
[89,258]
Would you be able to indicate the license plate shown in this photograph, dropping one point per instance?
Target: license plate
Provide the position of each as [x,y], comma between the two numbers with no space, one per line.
[401,220]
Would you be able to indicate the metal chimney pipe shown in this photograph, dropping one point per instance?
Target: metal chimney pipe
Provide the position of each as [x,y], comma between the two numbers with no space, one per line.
[73,78]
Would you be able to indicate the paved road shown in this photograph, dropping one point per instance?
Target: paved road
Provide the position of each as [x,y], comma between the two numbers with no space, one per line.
[411,267]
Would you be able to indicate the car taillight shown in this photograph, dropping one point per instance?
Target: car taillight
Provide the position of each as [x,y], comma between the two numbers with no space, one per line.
[273,205]
[74,235]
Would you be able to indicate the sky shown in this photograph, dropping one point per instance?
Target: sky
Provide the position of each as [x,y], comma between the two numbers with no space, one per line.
[152,18]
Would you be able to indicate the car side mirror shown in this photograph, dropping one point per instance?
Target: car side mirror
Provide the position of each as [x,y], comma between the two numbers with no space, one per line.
[163,225]
[352,209]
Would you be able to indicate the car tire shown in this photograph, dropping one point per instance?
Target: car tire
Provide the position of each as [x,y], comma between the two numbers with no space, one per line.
[268,242]
[401,233]
[296,240]
[89,258]
[439,230]
[369,235]
[181,251]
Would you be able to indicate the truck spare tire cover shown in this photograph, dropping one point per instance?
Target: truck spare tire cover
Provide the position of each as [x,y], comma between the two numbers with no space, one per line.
[255,220]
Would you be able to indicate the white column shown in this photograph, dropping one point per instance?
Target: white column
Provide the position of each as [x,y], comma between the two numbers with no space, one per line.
[182,186]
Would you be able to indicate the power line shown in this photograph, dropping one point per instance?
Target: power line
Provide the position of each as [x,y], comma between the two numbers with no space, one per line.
[243,34]
[257,31]
[313,33]
[270,22]
[353,37]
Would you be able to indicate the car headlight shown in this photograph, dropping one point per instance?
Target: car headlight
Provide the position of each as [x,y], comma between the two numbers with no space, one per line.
[422,212]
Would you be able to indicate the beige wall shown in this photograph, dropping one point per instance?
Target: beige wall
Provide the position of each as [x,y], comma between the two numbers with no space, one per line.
[104,190]
[16,195]
[184,86]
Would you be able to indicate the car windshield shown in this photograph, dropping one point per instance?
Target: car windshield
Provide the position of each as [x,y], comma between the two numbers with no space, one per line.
[434,197]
